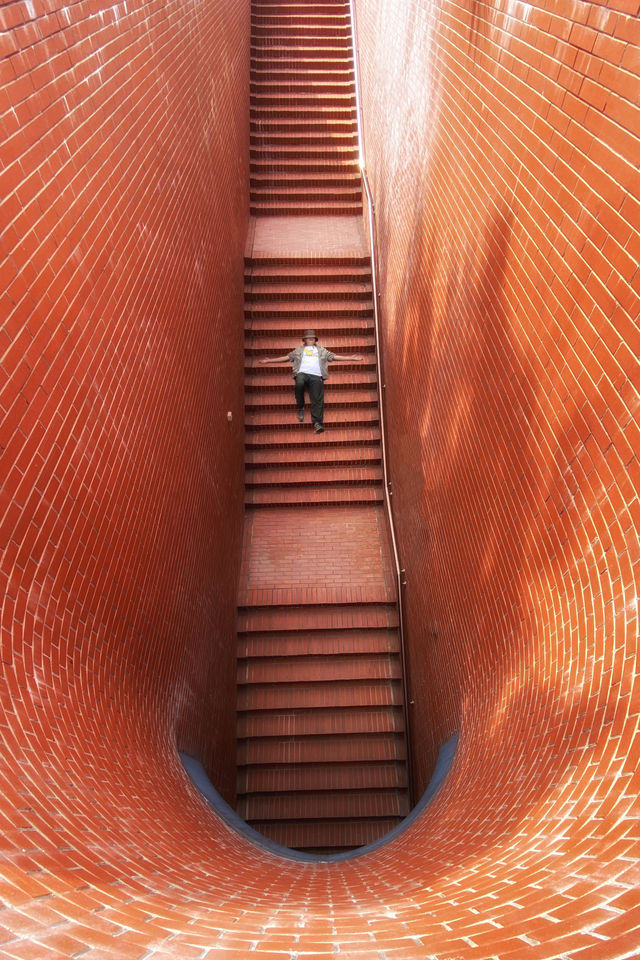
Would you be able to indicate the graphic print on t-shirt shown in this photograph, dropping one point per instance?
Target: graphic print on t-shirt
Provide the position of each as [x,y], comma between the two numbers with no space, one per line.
[310,362]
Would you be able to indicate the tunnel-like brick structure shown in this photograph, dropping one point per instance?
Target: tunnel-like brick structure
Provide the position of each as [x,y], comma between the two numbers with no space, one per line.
[501,143]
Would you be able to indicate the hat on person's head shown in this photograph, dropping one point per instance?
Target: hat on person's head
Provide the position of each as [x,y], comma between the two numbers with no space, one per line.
[308,334]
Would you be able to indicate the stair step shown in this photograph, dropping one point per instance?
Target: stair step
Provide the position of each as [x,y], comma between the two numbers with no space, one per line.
[268,378]
[308,696]
[328,309]
[322,129]
[357,395]
[335,418]
[311,111]
[320,171]
[309,669]
[270,337]
[318,471]
[298,84]
[279,197]
[333,749]
[293,9]
[303,260]
[274,778]
[328,805]
[286,45]
[309,71]
[320,153]
[306,456]
[265,274]
[327,209]
[258,18]
[304,30]
[286,188]
[266,619]
[310,150]
[285,643]
[320,140]
[264,345]
[306,723]
[261,331]
[302,100]
[293,168]
[345,434]
[325,478]
[258,380]
[326,837]
[292,288]
[319,495]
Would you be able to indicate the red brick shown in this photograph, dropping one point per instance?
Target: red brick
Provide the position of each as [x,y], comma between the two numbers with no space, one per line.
[516,508]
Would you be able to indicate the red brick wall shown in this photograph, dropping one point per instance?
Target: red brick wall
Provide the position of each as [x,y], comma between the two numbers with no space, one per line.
[124,206]
[502,143]
[509,349]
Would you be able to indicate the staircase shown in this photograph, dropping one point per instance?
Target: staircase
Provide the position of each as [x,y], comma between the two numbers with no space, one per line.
[322,763]
[304,138]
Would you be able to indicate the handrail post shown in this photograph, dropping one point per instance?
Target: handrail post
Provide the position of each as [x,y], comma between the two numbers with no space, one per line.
[385,470]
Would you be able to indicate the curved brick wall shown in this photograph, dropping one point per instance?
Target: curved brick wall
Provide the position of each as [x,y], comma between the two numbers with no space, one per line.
[501,148]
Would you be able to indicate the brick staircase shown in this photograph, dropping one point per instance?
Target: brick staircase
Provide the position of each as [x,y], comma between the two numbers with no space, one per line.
[304,139]
[322,761]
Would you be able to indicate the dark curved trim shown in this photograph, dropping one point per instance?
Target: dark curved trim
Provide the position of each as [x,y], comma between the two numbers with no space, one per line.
[201,782]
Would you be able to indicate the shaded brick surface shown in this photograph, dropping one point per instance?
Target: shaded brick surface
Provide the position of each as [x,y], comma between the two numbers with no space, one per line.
[502,147]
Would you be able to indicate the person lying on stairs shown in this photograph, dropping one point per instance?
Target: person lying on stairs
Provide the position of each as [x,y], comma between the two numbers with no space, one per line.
[310,370]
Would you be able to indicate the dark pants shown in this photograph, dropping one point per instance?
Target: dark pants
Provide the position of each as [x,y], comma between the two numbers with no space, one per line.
[315,386]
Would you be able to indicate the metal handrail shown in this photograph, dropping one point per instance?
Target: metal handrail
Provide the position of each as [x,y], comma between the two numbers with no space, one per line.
[385,469]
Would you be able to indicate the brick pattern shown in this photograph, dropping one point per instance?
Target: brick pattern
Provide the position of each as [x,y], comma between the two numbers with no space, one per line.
[502,147]
[304,136]
[110,154]
[319,684]
[522,598]
[321,750]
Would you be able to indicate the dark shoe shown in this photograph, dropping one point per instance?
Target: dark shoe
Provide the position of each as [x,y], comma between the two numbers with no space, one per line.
[301,414]
[318,428]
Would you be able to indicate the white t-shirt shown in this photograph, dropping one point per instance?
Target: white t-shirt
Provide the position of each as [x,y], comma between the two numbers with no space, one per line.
[310,362]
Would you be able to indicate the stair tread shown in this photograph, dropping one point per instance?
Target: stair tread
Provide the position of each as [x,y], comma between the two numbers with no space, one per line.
[336,805]
[326,209]
[318,776]
[322,475]
[303,669]
[285,196]
[338,720]
[264,459]
[318,642]
[286,496]
[263,274]
[355,394]
[261,331]
[258,380]
[268,437]
[265,619]
[352,416]
[364,748]
[293,289]
[326,837]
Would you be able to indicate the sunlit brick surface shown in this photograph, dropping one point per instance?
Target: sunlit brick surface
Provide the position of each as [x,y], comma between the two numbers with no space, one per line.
[502,147]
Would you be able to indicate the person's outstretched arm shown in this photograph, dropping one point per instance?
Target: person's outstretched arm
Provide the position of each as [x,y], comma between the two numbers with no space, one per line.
[275,359]
[356,356]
